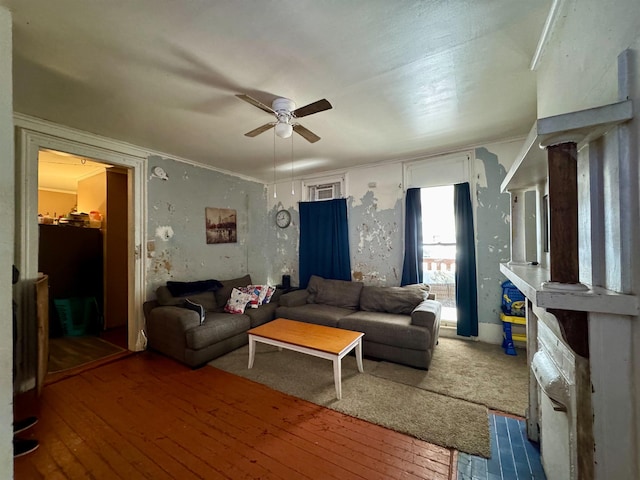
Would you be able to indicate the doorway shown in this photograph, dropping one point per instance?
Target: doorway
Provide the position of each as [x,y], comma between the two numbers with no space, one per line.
[83,207]
[34,135]
[439,248]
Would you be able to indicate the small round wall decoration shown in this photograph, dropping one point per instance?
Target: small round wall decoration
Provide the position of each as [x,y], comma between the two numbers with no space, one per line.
[283,218]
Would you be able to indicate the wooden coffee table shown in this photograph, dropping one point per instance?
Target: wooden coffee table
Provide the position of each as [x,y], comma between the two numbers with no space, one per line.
[317,340]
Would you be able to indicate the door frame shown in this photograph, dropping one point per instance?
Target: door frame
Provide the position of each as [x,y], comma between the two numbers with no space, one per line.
[31,136]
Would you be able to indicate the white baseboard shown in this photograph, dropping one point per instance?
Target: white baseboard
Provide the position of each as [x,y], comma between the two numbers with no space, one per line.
[487,332]
[490,333]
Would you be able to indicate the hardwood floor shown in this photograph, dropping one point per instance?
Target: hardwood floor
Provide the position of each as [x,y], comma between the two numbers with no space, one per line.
[70,352]
[146,416]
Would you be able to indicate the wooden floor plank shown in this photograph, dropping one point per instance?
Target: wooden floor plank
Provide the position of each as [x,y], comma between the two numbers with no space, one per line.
[357,436]
[294,432]
[148,417]
[192,434]
[144,426]
[111,444]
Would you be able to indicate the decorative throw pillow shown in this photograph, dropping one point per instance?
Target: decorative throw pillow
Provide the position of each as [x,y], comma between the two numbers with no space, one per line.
[199,309]
[223,294]
[270,291]
[263,290]
[256,293]
[237,302]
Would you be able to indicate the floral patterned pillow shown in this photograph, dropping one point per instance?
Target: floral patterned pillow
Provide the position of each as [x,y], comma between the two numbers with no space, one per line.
[260,294]
[237,302]
[270,291]
[256,293]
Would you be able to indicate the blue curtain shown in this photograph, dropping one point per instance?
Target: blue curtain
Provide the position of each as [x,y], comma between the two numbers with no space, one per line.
[466,284]
[412,267]
[324,240]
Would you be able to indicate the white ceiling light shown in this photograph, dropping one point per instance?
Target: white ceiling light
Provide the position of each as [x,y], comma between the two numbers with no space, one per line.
[284,130]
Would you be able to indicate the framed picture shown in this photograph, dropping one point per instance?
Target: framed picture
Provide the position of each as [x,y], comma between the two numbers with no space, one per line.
[221,225]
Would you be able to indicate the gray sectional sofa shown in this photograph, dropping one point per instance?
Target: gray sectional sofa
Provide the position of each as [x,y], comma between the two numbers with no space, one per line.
[400,324]
[177,332]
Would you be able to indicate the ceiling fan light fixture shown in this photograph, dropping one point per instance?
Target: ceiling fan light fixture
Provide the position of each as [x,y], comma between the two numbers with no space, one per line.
[284,130]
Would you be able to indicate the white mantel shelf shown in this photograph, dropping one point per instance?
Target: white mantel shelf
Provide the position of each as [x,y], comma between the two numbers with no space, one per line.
[530,166]
[529,279]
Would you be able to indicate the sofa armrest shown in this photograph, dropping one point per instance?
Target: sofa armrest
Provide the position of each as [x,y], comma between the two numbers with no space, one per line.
[427,314]
[294,299]
[177,319]
[148,306]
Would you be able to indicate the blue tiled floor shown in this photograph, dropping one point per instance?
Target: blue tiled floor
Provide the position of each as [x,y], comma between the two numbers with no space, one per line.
[513,456]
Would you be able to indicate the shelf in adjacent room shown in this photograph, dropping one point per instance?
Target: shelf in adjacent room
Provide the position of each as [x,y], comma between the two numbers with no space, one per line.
[530,166]
[529,278]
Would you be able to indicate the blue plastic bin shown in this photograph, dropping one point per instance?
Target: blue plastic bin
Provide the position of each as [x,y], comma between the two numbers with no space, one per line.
[76,314]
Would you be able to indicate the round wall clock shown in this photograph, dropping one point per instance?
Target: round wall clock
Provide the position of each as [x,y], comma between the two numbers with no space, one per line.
[283,218]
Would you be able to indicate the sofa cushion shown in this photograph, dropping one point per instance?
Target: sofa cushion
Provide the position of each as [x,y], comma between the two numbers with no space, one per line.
[206,299]
[339,293]
[262,314]
[317,313]
[223,294]
[294,299]
[388,328]
[216,327]
[315,283]
[400,300]
[196,307]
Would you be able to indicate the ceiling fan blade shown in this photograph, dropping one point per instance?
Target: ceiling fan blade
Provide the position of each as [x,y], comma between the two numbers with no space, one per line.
[315,107]
[255,102]
[259,130]
[308,135]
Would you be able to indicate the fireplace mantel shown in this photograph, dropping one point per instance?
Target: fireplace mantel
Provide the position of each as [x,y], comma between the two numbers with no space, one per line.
[529,280]
[586,435]
[530,166]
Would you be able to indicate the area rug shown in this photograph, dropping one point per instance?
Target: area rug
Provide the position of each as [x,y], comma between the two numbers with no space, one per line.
[70,352]
[477,372]
[433,417]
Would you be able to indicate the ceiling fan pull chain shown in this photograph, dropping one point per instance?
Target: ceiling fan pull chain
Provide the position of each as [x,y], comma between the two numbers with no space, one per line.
[275,187]
[293,192]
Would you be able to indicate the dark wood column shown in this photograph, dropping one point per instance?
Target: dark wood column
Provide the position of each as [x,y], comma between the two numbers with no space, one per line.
[563,242]
[563,212]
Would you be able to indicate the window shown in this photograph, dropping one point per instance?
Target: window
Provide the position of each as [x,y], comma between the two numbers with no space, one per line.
[327,191]
[326,188]
[439,247]
[436,177]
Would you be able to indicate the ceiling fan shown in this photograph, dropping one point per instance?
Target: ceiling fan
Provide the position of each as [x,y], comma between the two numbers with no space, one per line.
[286,112]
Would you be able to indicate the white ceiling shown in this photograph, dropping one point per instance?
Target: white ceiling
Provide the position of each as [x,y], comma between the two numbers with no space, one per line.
[60,172]
[406,78]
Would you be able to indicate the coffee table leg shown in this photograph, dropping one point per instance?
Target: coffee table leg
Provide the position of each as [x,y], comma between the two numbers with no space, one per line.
[359,355]
[252,350]
[337,376]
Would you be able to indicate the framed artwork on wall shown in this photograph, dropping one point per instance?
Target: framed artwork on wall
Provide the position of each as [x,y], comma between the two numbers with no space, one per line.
[221,225]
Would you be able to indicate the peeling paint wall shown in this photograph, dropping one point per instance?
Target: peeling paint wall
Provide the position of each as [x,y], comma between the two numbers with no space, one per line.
[376,229]
[282,243]
[492,227]
[176,247]
[376,225]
